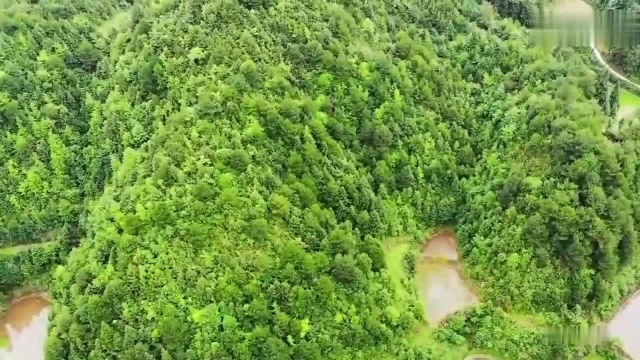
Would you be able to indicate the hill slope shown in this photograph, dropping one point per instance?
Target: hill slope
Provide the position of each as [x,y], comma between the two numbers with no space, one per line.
[254,154]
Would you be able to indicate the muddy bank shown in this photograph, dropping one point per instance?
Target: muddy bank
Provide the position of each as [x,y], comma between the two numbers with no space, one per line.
[441,245]
[25,325]
[442,287]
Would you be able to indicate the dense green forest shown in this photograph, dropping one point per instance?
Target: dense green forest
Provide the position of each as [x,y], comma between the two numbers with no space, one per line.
[215,179]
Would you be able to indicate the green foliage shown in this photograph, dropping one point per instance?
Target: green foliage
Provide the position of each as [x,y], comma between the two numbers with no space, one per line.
[49,62]
[520,10]
[614,100]
[226,172]
[29,266]
[486,327]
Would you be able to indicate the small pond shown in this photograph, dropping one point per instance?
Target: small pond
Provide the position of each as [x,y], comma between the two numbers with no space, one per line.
[25,324]
[442,286]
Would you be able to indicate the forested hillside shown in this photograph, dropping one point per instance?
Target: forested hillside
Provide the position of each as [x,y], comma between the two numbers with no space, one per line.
[48,66]
[226,172]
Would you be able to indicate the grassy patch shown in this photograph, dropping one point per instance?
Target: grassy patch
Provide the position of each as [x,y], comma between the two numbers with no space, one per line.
[422,335]
[529,320]
[481,356]
[115,23]
[18,248]
[395,250]
[628,98]
[4,342]
[594,356]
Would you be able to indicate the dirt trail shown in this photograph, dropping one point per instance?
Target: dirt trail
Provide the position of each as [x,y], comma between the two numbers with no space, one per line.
[611,71]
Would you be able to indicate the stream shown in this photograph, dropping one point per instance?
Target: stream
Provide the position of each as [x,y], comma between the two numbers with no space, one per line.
[25,324]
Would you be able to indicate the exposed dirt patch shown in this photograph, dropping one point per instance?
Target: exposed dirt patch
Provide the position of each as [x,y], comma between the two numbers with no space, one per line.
[479,357]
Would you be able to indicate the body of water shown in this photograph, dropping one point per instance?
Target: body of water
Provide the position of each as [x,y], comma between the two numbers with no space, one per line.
[442,286]
[25,324]
[625,325]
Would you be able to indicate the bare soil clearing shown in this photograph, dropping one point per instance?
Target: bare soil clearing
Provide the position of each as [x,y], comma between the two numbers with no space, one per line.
[479,357]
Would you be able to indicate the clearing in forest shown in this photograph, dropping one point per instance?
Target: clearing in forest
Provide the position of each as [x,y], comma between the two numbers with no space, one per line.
[11,250]
[629,104]
[627,98]
[396,250]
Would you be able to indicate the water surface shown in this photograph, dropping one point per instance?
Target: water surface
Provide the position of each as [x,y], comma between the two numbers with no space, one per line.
[625,325]
[442,286]
[25,324]
[442,245]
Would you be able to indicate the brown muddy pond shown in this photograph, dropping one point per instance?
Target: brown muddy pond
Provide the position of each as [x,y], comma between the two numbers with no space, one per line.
[442,245]
[443,288]
[625,326]
[25,324]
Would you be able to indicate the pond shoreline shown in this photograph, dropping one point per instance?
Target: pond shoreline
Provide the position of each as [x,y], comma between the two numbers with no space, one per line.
[24,326]
[39,293]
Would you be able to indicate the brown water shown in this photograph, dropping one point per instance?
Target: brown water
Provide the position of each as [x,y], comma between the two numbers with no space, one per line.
[443,289]
[441,245]
[25,324]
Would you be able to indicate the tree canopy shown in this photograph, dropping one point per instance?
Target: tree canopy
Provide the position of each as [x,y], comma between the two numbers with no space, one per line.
[224,173]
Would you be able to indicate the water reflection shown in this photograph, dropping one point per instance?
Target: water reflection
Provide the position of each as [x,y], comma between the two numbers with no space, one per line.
[25,324]
[443,288]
